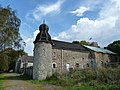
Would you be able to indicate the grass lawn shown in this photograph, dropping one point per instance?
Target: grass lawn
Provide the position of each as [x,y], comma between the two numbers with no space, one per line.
[1,81]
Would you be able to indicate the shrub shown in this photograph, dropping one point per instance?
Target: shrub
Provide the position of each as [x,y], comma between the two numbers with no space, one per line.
[87,79]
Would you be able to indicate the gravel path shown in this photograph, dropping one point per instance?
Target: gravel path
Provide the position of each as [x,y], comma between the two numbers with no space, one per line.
[13,82]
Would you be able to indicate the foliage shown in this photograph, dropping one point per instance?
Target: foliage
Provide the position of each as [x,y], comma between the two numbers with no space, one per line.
[10,39]
[8,58]
[76,42]
[4,65]
[115,47]
[83,42]
[86,79]
[92,85]
[9,29]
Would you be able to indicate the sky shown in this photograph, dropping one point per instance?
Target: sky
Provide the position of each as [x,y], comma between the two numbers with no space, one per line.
[68,20]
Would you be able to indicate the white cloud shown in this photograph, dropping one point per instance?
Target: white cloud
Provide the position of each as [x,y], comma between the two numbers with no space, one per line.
[29,43]
[29,46]
[35,33]
[105,29]
[80,11]
[43,10]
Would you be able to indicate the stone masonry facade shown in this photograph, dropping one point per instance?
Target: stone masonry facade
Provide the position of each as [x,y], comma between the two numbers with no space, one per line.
[42,61]
[75,59]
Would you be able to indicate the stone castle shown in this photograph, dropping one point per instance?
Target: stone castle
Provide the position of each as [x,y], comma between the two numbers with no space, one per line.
[57,56]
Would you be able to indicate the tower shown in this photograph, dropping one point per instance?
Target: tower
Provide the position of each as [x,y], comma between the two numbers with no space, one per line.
[42,63]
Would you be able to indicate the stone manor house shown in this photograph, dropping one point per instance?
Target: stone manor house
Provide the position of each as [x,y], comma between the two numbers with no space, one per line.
[52,56]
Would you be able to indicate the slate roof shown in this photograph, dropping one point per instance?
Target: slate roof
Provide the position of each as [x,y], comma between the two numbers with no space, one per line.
[27,58]
[68,46]
[79,47]
[102,50]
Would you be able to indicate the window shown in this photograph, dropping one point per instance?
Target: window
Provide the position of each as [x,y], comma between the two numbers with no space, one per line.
[92,64]
[68,67]
[54,65]
[54,54]
[77,65]
[87,65]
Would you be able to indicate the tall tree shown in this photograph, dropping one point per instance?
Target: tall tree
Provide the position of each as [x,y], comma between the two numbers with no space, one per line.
[9,29]
[115,47]
[9,36]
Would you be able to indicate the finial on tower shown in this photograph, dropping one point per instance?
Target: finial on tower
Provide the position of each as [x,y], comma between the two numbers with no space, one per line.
[44,21]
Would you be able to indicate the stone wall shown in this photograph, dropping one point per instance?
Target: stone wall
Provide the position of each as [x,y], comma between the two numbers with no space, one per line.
[42,61]
[62,59]
[65,59]
[29,71]
[103,59]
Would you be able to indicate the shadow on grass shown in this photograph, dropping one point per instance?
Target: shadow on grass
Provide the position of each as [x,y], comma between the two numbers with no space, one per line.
[14,76]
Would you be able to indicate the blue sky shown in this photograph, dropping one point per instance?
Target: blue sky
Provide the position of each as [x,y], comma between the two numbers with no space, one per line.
[68,20]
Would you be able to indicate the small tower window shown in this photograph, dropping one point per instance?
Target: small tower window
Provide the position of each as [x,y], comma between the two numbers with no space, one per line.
[54,65]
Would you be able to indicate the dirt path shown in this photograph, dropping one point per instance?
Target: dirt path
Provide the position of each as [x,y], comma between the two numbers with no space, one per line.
[13,82]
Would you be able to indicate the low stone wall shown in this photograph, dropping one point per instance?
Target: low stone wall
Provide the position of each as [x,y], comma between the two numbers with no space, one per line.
[29,71]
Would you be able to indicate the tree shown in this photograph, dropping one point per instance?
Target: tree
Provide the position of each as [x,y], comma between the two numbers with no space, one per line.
[76,42]
[115,47]
[3,62]
[9,29]
[9,36]
[8,58]
[83,42]
[14,55]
